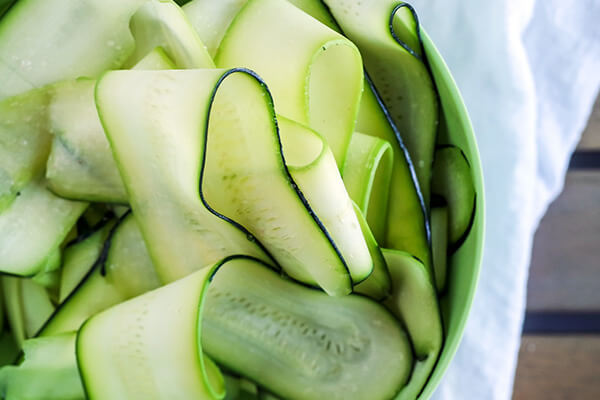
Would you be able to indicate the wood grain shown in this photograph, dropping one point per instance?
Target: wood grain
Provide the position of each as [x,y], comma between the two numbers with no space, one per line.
[590,139]
[558,368]
[565,268]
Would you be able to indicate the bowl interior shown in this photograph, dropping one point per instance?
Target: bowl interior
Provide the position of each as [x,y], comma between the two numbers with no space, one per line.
[463,273]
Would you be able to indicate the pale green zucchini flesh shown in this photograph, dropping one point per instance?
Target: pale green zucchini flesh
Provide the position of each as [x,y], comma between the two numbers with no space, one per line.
[452,180]
[48,371]
[367,175]
[301,343]
[439,244]
[414,301]
[240,191]
[399,73]
[122,270]
[122,352]
[322,75]
[159,23]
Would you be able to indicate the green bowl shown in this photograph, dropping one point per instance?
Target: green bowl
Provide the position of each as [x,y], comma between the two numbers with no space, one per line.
[465,263]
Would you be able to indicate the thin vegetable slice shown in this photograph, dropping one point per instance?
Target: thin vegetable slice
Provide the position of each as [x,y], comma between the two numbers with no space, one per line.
[211,19]
[236,159]
[407,208]
[80,165]
[48,371]
[46,41]
[24,142]
[157,59]
[33,227]
[414,301]
[378,285]
[408,225]
[300,343]
[320,78]
[367,176]
[163,23]
[122,352]
[398,71]
[452,181]
[79,258]
[313,168]
[122,270]
[439,244]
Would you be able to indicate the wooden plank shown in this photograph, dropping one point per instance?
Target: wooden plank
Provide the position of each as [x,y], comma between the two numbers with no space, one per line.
[566,253]
[558,368]
[590,139]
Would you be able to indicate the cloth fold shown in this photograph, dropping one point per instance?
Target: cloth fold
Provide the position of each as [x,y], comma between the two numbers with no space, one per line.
[529,72]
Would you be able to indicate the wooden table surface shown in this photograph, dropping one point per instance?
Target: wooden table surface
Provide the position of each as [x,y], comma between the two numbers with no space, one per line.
[560,348]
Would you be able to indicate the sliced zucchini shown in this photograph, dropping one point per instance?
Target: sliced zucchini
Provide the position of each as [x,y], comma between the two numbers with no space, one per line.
[398,71]
[79,258]
[157,59]
[301,343]
[28,307]
[367,175]
[414,302]
[439,244]
[122,352]
[406,202]
[24,142]
[11,292]
[321,77]
[317,10]
[163,23]
[46,41]
[185,213]
[410,230]
[122,270]
[80,165]
[378,285]
[33,227]
[453,181]
[48,371]
[37,306]
[211,19]
[313,168]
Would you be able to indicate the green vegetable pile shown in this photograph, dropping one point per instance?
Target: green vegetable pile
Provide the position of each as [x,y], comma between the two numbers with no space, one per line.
[240,199]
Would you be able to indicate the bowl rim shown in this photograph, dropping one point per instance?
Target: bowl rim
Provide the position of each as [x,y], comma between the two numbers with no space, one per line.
[451,343]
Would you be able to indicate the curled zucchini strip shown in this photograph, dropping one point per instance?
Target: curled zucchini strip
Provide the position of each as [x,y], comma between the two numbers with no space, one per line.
[122,352]
[378,285]
[313,168]
[211,19]
[407,208]
[80,165]
[245,191]
[122,270]
[33,240]
[48,371]
[414,301]
[387,34]
[367,176]
[159,23]
[321,77]
[452,181]
[410,230]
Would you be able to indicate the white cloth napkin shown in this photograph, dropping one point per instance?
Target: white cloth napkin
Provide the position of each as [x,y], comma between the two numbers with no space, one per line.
[529,71]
